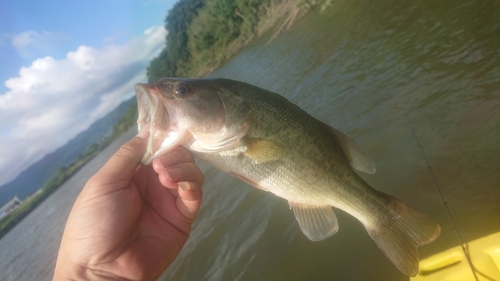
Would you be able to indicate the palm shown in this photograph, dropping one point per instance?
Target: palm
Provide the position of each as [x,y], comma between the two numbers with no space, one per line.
[133,228]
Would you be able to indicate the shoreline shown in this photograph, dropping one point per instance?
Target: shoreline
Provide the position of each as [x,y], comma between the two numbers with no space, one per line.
[201,40]
[280,16]
[9,221]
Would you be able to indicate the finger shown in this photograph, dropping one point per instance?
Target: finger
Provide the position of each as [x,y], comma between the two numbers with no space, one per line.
[174,157]
[184,172]
[122,165]
[189,200]
[186,180]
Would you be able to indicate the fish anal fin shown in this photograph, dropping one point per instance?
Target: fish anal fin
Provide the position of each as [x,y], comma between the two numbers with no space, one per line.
[250,182]
[400,234]
[316,222]
[357,157]
[263,150]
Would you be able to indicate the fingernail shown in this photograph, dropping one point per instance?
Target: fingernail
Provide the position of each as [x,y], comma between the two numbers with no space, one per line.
[175,173]
[184,186]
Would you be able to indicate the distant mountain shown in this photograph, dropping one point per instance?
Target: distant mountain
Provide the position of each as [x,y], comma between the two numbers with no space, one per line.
[31,179]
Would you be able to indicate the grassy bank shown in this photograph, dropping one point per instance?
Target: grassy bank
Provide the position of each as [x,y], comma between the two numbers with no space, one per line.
[203,34]
[8,222]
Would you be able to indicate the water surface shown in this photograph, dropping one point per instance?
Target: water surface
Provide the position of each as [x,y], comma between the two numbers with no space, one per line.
[29,250]
[416,83]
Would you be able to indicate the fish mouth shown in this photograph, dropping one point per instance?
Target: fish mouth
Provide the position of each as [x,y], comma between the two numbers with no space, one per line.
[153,118]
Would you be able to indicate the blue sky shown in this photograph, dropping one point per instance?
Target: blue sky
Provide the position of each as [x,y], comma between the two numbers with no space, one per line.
[62,26]
[64,64]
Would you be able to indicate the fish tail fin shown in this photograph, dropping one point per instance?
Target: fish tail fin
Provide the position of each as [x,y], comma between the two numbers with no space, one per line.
[401,232]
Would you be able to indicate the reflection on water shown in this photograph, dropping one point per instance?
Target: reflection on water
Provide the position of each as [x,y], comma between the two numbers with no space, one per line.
[390,74]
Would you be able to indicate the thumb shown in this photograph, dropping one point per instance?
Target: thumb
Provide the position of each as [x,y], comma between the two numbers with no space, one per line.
[122,165]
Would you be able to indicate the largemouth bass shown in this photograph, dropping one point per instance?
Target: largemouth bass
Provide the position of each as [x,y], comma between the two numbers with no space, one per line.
[266,141]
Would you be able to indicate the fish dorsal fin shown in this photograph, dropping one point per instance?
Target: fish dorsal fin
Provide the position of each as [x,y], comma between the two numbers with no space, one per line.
[316,222]
[357,157]
[262,150]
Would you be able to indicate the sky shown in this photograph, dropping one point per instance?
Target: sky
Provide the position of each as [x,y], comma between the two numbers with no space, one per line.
[66,63]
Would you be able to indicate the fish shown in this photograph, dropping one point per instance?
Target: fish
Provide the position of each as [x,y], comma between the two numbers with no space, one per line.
[270,143]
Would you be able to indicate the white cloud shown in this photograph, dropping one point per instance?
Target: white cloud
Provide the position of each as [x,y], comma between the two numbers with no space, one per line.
[30,42]
[26,38]
[51,101]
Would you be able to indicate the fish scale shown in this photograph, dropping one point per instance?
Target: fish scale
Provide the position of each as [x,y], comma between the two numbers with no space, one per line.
[310,147]
[272,144]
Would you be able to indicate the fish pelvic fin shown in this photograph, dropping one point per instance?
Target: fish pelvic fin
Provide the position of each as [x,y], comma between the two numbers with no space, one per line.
[402,231]
[358,158]
[316,222]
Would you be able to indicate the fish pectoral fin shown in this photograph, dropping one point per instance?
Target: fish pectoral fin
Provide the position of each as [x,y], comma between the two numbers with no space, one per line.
[263,150]
[357,157]
[316,222]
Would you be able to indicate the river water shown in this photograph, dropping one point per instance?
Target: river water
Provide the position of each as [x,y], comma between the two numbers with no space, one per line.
[416,83]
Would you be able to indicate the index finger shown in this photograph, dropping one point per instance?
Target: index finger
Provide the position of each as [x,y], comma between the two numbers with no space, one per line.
[176,156]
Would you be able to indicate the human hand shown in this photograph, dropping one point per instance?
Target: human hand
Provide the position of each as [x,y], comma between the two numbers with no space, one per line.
[131,221]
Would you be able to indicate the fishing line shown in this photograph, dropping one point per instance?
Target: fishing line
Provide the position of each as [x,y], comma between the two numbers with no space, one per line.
[441,194]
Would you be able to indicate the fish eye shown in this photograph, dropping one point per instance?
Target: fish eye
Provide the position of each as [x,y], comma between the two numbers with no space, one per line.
[182,90]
